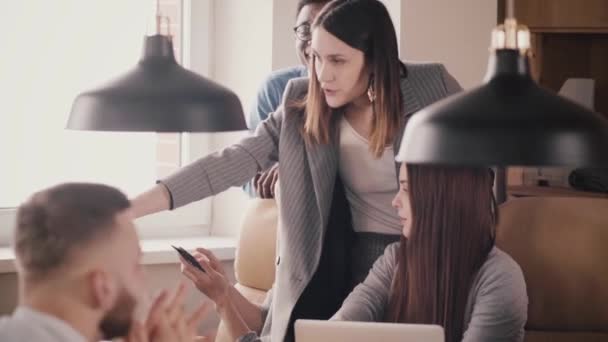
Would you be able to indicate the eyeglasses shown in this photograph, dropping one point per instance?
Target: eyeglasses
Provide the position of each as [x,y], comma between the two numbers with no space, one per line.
[302,32]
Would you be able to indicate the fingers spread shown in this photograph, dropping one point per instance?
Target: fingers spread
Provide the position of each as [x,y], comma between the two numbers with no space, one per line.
[157,310]
[198,315]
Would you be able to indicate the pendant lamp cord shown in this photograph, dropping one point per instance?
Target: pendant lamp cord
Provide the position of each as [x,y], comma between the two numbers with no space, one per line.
[159,21]
[510,9]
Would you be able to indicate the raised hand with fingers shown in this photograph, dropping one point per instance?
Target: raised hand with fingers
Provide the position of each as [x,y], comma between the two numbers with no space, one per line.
[240,316]
[213,282]
[137,333]
[266,181]
[168,320]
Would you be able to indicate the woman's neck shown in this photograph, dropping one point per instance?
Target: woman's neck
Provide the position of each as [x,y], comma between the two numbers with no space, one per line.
[360,104]
[359,107]
[360,116]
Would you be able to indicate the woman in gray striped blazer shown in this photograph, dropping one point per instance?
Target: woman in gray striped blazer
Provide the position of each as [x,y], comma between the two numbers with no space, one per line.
[336,217]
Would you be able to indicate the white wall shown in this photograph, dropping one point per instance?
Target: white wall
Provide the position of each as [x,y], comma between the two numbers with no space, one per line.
[252,38]
[394,9]
[283,45]
[456,33]
[242,55]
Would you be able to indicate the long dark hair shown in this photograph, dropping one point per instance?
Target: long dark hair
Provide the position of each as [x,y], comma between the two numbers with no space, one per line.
[453,220]
[367,26]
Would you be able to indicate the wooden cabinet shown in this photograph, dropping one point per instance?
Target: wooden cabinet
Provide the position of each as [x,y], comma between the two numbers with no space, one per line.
[515,191]
[569,40]
[557,57]
[563,15]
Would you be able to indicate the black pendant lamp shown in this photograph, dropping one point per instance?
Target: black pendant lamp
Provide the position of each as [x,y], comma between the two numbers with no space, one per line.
[509,120]
[158,95]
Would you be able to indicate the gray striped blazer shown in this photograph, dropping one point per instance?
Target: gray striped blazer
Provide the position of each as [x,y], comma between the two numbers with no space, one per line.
[309,189]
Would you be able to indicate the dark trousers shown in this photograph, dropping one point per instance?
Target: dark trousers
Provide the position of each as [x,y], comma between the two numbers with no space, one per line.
[331,282]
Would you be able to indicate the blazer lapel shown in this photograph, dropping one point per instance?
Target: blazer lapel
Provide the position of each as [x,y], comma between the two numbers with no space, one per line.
[323,163]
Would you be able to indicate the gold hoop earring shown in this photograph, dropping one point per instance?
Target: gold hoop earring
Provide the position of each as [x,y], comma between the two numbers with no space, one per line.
[371,93]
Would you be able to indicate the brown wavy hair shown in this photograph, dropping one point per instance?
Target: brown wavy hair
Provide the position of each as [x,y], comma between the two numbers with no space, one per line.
[453,230]
[364,25]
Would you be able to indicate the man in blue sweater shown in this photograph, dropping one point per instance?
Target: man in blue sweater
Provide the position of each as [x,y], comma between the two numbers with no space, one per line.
[270,93]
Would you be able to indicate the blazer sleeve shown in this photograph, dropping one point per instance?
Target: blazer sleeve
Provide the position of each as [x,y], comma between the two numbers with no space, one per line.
[450,83]
[232,166]
[368,301]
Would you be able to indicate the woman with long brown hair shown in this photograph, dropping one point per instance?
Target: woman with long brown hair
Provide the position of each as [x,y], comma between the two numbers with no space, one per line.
[446,269]
[334,138]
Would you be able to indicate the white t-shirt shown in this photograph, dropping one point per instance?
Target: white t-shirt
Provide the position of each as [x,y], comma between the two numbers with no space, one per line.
[29,325]
[370,183]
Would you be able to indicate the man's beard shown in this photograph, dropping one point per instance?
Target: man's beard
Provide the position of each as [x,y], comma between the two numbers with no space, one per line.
[117,321]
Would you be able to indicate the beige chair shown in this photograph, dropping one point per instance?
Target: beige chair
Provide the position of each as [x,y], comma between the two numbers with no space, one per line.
[254,264]
[561,245]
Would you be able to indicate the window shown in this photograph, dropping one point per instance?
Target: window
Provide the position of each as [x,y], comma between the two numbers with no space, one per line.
[52,50]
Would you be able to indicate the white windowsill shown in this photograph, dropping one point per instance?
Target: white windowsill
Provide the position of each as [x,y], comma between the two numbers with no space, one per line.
[155,252]
[160,251]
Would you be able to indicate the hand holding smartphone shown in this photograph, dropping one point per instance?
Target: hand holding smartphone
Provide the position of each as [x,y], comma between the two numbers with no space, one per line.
[188,257]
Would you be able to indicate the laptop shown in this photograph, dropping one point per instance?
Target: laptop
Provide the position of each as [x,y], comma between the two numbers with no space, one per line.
[336,331]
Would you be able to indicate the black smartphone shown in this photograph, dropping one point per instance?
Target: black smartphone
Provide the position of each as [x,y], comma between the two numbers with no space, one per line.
[188,257]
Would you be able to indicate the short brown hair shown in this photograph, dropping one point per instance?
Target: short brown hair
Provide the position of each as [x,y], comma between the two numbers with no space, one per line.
[56,220]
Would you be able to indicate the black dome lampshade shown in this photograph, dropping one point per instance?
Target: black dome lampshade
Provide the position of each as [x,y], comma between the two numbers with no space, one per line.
[158,95]
[509,120]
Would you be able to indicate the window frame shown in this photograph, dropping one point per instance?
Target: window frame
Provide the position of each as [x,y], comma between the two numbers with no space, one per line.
[193,220]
